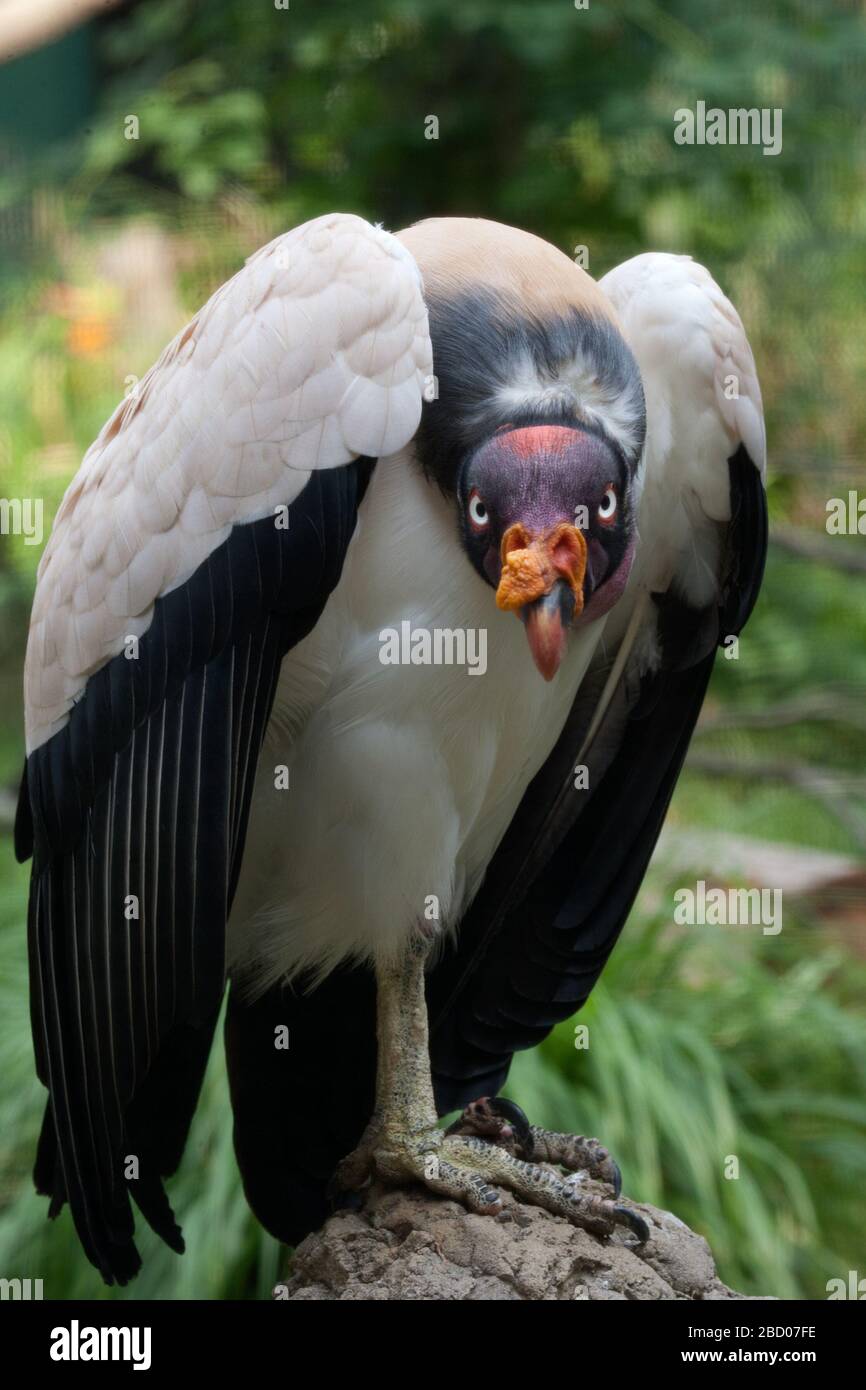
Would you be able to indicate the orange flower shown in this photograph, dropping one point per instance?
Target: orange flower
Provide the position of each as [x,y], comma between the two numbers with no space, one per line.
[89,335]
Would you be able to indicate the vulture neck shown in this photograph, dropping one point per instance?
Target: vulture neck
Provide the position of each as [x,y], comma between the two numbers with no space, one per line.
[520,335]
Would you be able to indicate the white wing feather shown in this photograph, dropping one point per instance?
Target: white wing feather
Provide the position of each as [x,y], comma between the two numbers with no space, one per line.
[703,400]
[315,352]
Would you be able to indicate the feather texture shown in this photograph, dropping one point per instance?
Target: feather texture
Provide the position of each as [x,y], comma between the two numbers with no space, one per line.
[316,352]
[140,773]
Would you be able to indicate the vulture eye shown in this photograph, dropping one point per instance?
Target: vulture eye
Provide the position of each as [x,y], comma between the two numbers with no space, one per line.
[608,506]
[479,517]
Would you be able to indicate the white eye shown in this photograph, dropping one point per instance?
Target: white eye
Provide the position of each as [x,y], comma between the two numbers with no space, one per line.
[479,516]
[608,505]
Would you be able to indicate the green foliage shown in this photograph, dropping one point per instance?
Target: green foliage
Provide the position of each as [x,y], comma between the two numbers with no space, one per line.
[557,119]
[198,155]
[807,634]
[710,1042]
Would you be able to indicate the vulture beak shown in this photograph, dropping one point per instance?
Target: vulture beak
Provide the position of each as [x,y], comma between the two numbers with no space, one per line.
[542,580]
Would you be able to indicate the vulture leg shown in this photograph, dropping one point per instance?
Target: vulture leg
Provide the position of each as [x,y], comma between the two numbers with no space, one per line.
[402,1131]
[403,1143]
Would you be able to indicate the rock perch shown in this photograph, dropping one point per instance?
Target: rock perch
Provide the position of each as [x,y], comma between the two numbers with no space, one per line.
[409,1245]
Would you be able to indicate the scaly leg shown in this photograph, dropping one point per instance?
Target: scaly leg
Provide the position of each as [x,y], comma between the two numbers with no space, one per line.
[490,1143]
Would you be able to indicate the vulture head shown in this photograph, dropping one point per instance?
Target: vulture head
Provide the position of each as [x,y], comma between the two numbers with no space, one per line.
[546,519]
[536,427]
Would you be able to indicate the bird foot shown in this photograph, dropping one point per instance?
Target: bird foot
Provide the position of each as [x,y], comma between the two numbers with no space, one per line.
[493,1143]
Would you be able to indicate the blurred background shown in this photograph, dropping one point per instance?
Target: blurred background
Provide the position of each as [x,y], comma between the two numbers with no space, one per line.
[145,150]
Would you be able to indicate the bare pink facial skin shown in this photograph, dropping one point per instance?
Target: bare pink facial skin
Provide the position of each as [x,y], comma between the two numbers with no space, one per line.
[534,476]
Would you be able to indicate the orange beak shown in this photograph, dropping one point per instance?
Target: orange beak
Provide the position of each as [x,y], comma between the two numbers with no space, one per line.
[542,580]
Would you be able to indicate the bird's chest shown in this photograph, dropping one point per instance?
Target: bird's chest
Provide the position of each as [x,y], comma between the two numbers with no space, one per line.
[409,723]
[424,653]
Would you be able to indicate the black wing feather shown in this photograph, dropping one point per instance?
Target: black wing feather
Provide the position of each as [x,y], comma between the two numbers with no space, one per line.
[145,794]
[298,1111]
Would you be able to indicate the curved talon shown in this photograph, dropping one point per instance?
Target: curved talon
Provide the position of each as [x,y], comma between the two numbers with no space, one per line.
[497,1120]
[511,1111]
[624,1216]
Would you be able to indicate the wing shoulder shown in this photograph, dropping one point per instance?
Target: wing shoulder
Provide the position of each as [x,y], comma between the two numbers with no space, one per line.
[687,335]
[703,408]
[315,353]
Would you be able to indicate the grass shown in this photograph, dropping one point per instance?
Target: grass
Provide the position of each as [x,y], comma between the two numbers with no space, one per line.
[708,1045]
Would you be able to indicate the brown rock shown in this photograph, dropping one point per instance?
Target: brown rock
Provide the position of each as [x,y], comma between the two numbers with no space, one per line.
[407,1244]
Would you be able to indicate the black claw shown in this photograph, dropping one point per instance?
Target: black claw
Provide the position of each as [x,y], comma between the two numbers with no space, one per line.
[512,1112]
[624,1216]
[497,1121]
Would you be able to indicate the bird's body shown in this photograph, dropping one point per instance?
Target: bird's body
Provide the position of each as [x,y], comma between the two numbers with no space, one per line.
[402,780]
[366,648]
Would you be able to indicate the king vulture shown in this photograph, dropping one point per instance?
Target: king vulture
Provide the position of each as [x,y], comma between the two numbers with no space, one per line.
[410,856]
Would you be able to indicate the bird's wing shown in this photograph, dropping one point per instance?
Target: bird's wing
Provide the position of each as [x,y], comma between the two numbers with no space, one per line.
[567,871]
[197,544]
